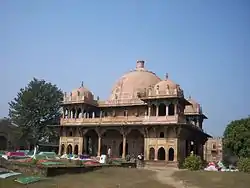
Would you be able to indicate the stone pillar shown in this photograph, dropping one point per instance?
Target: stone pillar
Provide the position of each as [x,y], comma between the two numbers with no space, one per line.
[149,110]
[157,110]
[63,114]
[195,148]
[175,109]
[60,147]
[124,146]
[166,110]
[156,153]
[99,145]
[82,112]
[80,146]
[156,145]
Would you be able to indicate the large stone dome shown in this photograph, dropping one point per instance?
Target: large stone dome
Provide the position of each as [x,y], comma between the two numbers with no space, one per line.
[133,82]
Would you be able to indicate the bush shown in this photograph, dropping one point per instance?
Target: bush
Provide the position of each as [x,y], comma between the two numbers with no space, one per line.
[244,165]
[34,161]
[181,164]
[193,162]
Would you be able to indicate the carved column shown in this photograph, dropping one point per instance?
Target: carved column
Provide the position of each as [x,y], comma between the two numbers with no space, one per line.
[63,114]
[175,109]
[124,146]
[156,144]
[82,112]
[149,110]
[60,147]
[99,145]
[157,109]
[166,109]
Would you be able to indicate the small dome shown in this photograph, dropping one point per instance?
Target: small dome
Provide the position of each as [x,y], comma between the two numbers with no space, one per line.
[133,82]
[82,92]
[164,85]
[194,108]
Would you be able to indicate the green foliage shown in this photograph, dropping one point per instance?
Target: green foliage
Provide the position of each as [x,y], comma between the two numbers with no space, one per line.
[181,164]
[36,106]
[34,161]
[236,141]
[193,162]
[244,165]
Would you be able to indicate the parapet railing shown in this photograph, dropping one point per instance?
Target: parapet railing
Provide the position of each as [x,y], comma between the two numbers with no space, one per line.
[123,120]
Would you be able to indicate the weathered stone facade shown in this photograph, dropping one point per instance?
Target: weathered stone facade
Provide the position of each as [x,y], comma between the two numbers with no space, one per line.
[213,149]
[144,114]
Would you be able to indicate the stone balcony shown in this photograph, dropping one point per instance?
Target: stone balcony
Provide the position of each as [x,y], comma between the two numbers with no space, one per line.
[121,120]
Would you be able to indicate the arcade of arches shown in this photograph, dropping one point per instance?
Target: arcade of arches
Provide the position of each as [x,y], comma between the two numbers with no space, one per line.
[156,143]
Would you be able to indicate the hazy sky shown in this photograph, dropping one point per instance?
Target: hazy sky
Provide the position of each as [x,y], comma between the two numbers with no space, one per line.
[203,45]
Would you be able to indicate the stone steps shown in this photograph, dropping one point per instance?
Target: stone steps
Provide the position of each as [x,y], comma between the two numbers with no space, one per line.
[161,163]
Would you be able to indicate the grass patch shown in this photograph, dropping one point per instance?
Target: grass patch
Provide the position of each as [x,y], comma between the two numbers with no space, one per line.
[105,177]
[205,179]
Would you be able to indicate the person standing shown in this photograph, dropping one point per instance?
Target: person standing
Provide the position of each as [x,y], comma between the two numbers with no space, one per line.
[109,152]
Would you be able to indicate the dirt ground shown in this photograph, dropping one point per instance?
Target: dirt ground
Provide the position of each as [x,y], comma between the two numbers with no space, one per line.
[103,178]
[148,177]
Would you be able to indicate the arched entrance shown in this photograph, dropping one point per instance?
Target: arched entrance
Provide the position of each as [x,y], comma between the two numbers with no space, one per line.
[135,141]
[62,149]
[112,138]
[76,150]
[171,154]
[91,142]
[69,149]
[3,143]
[161,154]
[151,154]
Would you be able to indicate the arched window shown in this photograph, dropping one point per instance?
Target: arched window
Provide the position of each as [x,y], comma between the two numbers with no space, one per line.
[162,110]
[171,154]
[171,109]
[161,134]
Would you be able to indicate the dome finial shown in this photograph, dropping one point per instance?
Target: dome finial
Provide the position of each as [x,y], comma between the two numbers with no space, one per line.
[140,64]
[166,76]
[82,84]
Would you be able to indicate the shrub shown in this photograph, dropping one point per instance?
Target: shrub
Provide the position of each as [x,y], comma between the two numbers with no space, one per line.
[244,165]
[193,162]
[181,164]
[34,161]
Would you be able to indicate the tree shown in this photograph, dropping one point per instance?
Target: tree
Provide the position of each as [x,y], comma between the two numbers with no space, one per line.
[36,106]
[236,141]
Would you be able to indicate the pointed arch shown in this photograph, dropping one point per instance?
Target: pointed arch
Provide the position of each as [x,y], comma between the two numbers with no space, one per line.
[161,154]
[171,154]
[151,153]
[69,149]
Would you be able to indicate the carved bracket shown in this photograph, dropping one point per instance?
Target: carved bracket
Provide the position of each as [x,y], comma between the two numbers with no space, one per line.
[178,131]
[125,130]
[99,131]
